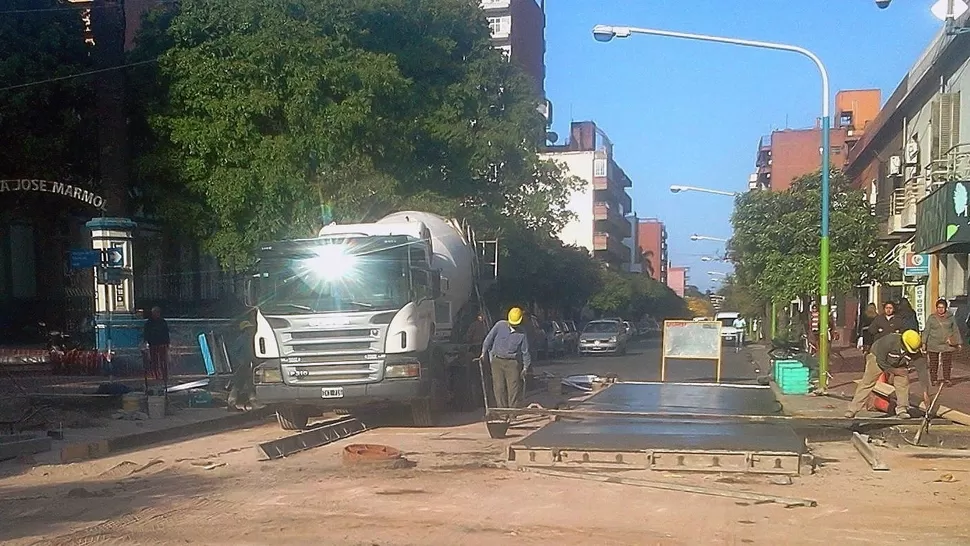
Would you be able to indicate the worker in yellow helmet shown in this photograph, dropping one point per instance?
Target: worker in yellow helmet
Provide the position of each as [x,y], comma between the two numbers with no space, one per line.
[507,346]
[893,353]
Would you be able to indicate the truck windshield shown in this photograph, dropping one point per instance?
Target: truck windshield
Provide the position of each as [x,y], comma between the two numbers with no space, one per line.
[300,284]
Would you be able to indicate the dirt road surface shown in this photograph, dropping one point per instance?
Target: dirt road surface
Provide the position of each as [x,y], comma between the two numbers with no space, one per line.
[214,490]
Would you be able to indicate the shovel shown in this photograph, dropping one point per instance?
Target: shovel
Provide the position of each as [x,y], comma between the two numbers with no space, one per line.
[924,425]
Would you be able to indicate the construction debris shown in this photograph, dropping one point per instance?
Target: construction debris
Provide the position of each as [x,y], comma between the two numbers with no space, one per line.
[319,435]
[861,443]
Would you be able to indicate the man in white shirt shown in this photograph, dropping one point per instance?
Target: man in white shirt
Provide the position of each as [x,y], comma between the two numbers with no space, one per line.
[741,326]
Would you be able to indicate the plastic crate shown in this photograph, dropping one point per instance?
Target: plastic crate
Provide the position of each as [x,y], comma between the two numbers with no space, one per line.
[796,389]
[785,364]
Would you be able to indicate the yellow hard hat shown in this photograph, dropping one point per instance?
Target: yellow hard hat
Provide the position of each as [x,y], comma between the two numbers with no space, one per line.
[515,316]
[911,341]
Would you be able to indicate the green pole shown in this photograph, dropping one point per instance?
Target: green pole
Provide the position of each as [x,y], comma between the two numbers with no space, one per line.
[823,272]
[774,319]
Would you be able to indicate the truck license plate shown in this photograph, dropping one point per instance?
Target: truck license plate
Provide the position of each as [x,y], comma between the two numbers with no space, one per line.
[333,392]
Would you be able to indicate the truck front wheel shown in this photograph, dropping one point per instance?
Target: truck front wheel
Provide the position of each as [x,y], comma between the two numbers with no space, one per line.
[292,418]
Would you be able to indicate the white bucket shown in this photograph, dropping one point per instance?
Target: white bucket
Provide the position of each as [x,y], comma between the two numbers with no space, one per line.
[156,407]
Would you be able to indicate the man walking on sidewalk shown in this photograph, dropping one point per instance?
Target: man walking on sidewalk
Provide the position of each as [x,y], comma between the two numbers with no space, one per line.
[508,348]
[892,353]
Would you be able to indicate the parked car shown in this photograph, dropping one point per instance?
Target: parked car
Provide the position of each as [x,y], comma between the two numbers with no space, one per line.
[538,343]
[603,336]
[555,338]
[571,337]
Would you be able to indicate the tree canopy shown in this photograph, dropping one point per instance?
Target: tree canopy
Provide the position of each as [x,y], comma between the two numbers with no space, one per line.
[50,129]
[275,116]
[633,295]
[775,248]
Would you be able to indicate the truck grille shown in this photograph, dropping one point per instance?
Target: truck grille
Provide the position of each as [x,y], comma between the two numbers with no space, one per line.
[332,357]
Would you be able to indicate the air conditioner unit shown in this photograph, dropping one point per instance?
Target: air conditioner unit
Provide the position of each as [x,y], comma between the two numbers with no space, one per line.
[895,165]
[753,177]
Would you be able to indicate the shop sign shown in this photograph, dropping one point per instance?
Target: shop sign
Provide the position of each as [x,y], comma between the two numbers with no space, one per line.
[27,185]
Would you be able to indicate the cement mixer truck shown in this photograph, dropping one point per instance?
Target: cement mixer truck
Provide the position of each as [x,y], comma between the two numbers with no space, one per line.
[369,315]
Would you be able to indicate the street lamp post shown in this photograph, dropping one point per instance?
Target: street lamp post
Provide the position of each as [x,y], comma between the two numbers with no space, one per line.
[696,237]
[605,33]
[678,189]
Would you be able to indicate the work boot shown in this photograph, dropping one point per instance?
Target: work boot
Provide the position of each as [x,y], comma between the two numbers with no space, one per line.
[849,415]
[902,413]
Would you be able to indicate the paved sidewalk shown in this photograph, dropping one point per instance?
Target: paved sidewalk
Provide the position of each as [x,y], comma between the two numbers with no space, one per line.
[846,366]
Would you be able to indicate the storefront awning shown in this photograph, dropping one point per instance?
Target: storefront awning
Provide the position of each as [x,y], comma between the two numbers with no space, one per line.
[943,220]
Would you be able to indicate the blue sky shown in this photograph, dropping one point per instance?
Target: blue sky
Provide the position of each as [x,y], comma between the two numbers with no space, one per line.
[682,112]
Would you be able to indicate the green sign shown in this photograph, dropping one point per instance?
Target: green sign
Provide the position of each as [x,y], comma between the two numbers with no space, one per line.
[943,220]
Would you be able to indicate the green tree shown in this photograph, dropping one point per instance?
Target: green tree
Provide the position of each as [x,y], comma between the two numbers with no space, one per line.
[633,295]
[775,247]
[50,129]
[274,116]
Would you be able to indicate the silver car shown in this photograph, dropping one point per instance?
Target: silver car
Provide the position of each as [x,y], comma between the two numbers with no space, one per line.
[603,336]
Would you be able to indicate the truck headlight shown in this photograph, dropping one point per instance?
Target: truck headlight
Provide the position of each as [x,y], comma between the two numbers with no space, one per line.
[268,374]
[402,370]
[613,339]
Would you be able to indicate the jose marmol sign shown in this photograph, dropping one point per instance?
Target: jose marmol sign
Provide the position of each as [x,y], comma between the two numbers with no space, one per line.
[48,186]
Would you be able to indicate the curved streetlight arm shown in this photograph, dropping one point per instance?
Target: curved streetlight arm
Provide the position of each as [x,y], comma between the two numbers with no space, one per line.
[624,32]
[678,189]
[605,33]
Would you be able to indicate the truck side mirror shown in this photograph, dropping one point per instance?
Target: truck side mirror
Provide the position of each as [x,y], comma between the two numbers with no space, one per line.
[435,284]
[249,291]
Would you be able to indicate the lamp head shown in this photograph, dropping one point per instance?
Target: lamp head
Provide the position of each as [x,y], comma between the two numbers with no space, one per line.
[603,33]
[883,4]
[695,237]
[676,189]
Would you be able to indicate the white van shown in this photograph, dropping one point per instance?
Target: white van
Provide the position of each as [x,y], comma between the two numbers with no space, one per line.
[728,331]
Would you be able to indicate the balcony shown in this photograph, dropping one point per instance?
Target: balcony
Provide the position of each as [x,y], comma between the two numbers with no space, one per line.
[953,166]
[610,248]
[609,220]
[488,5]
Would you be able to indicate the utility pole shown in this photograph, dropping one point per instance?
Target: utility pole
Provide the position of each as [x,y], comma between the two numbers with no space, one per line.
[108,26]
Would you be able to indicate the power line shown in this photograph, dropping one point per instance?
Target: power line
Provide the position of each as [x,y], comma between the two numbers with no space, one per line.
[83,7]
[78,75]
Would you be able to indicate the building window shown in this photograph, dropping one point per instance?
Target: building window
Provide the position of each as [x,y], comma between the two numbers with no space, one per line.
[599,167]
[500,27]
[836,150]
[506,51]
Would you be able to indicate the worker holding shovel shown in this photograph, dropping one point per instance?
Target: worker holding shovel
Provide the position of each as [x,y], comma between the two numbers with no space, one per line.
[893,353]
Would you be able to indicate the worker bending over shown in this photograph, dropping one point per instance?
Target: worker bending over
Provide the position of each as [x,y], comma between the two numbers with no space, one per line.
[893,353]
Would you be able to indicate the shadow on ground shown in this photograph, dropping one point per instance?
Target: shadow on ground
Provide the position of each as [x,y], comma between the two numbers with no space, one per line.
[124,494]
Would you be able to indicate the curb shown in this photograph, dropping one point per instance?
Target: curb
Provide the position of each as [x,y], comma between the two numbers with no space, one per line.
[84,451]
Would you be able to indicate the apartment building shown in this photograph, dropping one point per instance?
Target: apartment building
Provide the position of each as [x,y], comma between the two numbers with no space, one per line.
[652,240]
[601,206]
[518,29]
[632,243]
[914,164]
[677,279]
[790,153]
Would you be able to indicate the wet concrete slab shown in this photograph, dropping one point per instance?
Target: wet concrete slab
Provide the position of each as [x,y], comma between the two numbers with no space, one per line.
[678,432]
[683,398]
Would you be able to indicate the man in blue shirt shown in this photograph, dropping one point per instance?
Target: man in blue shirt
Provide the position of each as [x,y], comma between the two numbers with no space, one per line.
[508,348]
